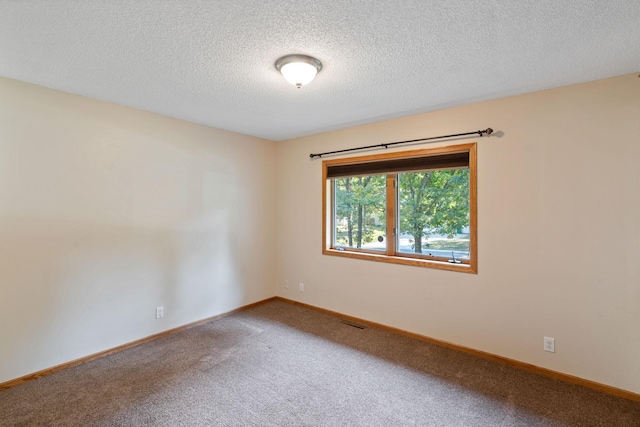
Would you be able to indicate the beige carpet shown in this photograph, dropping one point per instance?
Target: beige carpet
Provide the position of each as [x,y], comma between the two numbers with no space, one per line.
[283,365]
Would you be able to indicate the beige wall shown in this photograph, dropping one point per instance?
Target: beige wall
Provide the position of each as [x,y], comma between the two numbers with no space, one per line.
[107,212]
[558,233]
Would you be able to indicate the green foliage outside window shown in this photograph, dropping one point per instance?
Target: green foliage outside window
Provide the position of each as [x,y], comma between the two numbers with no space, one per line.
[360,209]
[430,202]
[433,202]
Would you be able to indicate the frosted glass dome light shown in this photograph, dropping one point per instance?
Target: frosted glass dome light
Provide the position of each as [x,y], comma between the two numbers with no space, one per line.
[298,69]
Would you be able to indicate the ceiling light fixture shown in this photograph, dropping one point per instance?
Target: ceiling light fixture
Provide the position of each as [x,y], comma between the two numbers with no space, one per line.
[298,69]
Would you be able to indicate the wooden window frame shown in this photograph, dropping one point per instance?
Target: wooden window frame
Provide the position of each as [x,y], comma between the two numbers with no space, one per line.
[390,255]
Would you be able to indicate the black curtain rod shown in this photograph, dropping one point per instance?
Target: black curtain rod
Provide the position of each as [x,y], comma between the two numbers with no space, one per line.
[488,131]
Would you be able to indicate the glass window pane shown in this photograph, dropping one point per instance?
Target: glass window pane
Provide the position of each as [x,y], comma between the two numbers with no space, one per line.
[433,216]
[359,213]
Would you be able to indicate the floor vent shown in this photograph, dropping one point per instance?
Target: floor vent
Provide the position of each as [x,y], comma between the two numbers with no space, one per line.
[355,325]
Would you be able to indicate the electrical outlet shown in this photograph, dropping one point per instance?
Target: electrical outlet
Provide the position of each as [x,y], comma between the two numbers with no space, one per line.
[549,344]
[301,287]
[286,284]
[159,312]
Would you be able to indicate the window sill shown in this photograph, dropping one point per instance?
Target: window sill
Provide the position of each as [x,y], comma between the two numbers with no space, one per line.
[416,262]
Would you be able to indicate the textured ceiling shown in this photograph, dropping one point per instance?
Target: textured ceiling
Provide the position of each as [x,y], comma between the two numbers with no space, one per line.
[211,61]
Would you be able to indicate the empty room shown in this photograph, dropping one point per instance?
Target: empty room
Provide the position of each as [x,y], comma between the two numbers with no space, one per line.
[319,213]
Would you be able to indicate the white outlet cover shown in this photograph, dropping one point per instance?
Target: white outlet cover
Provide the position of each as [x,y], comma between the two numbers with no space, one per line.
[549,344]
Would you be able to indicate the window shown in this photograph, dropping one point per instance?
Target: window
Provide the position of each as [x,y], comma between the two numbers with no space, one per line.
[414,207]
